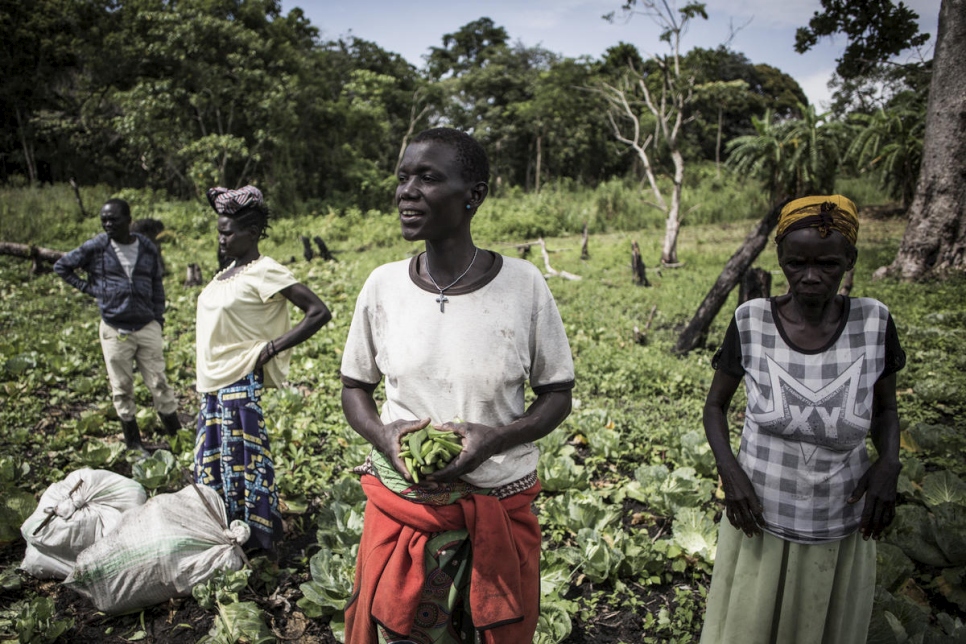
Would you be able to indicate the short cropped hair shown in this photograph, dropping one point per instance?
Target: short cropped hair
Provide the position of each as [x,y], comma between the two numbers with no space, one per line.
[474,166]
[121,204]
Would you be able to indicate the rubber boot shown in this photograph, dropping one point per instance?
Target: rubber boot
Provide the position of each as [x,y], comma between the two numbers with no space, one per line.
[170,423]
[132,435]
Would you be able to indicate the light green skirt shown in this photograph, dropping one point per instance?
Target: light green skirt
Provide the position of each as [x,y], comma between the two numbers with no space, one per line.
[765,590]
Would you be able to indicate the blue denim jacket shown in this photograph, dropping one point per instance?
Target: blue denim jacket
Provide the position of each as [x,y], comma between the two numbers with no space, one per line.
[126,304]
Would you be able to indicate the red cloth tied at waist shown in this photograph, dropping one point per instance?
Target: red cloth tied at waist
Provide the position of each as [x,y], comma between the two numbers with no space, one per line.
[390,572]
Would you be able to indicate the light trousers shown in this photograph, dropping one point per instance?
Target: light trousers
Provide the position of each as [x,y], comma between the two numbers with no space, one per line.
[144,348]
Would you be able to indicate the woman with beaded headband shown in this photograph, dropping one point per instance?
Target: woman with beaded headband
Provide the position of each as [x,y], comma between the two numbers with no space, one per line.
[795,563]
[456,333]
[244,341]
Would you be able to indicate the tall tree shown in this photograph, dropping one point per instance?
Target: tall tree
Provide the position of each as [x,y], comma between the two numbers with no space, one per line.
[794,157]
[667,104]
[935,237]
[888,143]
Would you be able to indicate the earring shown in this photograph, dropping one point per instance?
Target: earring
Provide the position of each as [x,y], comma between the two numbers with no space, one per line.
[469,207]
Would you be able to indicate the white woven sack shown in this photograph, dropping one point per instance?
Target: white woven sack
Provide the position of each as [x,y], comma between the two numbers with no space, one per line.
[72,515]
[159,551]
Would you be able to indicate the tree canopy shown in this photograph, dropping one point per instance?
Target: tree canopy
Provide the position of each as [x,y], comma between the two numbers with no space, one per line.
[177,96]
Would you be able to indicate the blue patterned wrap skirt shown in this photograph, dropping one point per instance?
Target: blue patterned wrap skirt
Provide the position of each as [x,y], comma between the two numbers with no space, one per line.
[233,457]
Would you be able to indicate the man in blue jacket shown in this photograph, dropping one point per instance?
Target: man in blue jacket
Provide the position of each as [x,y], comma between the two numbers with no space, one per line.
[124,276]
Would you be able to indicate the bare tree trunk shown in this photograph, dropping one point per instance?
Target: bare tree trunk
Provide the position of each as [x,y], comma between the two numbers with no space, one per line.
[935,237]
[413,120]
[584,253]
[696,331]
[536,179]
[717,148]
[77,196]
[672,225]
[28,152]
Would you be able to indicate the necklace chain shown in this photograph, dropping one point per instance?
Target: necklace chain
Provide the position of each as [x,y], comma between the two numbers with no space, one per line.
[442,299]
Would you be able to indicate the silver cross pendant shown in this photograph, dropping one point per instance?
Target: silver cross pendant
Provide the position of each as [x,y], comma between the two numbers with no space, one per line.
[442,299]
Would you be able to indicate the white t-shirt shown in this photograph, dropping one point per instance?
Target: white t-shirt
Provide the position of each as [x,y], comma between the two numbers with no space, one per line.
[470,362]
[127,254]
[235,320]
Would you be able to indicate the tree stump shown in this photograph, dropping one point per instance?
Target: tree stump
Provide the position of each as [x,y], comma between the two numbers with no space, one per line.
[755,283]
[584,253]
[324,251]
[640,337]
[637,266]
[193,276]
[306,248]
[847,281]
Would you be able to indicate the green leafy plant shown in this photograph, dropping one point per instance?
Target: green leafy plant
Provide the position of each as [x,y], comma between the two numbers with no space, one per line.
[33,621]
[331,583]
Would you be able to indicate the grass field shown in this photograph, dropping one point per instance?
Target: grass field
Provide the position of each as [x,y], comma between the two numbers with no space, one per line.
[631,503]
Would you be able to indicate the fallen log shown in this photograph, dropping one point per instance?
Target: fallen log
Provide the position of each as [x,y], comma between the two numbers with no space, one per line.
[36,254]
[551,271]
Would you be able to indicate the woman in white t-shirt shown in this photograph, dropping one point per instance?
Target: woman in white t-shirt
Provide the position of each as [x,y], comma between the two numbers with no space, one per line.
[456,333]
[243,341]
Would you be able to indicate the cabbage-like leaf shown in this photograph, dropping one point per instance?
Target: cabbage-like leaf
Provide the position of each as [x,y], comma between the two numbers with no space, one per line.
[558,472]
[943,487]
[895,618]
[94,453]
[578,509]
[952,584]
[240,622]
[605,442]
[340,526]
[665,492]
[914,532]
[695,452]
[892,566]
[554,623]
[157,470]
[15,506]
[949,527]
[695,533]
[601,560]
[331,585]
[221,588]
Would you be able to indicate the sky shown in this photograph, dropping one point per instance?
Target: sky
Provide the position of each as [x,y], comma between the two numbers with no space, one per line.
[764,30]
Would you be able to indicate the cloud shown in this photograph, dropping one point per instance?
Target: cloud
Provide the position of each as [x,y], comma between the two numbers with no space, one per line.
[815,86]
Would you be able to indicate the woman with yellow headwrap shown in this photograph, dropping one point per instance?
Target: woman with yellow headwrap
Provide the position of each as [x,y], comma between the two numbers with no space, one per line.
[795,563]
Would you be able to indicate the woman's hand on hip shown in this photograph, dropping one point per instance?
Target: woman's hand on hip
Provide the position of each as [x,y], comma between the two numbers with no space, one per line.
[742,506]
[878,485]
[263,357]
